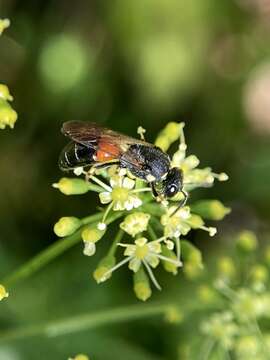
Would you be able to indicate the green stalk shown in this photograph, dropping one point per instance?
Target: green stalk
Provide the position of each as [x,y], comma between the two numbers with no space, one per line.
[85,321]
[117,240]
[52,251]
[152,233]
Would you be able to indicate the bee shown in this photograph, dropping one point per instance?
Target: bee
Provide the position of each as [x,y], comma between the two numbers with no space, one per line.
[97,147]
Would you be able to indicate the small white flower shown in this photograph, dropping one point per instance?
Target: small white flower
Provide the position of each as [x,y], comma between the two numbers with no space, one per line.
[222,328]
[135,223]
[176,225]
[144,253]
[181,222]
[120,192]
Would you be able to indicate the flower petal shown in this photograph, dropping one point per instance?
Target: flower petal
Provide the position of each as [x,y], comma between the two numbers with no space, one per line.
[128,183]
[105,197]
[141,241]
[152,260]
[130,250]
[154,247]
[116,181]
[134,264]
[118,206]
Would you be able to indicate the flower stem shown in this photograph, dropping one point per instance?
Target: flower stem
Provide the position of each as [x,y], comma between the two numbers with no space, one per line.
[116,241]
[152,233]
[85,321]
[100,183]
[51,252]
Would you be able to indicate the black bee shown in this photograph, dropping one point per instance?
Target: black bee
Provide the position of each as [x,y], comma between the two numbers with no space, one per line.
[95,146]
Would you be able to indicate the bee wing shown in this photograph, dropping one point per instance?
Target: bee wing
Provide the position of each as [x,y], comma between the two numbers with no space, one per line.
[91,134]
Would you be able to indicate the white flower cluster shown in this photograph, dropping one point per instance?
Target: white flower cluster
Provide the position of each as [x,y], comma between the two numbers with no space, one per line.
[155,228]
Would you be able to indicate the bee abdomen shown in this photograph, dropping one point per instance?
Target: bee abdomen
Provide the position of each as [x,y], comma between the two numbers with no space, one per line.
[75,155]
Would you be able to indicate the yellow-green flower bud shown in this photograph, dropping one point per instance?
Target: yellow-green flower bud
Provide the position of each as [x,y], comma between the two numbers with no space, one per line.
[206,294]
[102,271]
[259,274]
[169,135]
[226,267]
[3,292]
[210,209]
[92,234]
[4,93]
[69,186]
[66,226]
[141,285]
[190,252]
[168,266]
[4,24]
[192,258]
[247,241]
[80,357]
[8,116]
[163,143]
[135,223]
[195,221]
[173,315]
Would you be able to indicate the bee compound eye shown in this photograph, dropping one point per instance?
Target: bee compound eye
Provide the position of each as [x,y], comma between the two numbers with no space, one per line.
[172,190]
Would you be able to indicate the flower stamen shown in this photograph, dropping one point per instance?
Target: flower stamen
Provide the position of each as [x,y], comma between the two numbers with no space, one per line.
[151,275]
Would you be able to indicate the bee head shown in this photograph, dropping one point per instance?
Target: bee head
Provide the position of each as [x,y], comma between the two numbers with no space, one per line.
[173,182]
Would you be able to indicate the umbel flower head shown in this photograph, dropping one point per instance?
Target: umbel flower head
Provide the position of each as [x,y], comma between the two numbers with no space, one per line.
[232,303]
[150,229]
[144,253]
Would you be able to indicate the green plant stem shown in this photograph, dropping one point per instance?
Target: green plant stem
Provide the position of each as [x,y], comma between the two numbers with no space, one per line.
[96,188]
[85,321]
[51,252]
[117,240]
[152,233]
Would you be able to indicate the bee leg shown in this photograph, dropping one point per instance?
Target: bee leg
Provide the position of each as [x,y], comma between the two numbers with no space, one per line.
[182,203]
[159,198]
[154,191]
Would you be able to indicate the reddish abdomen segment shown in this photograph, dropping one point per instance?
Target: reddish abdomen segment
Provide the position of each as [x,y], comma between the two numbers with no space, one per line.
[107,152]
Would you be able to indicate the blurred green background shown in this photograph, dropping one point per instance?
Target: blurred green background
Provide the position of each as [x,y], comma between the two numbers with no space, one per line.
[124,64]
